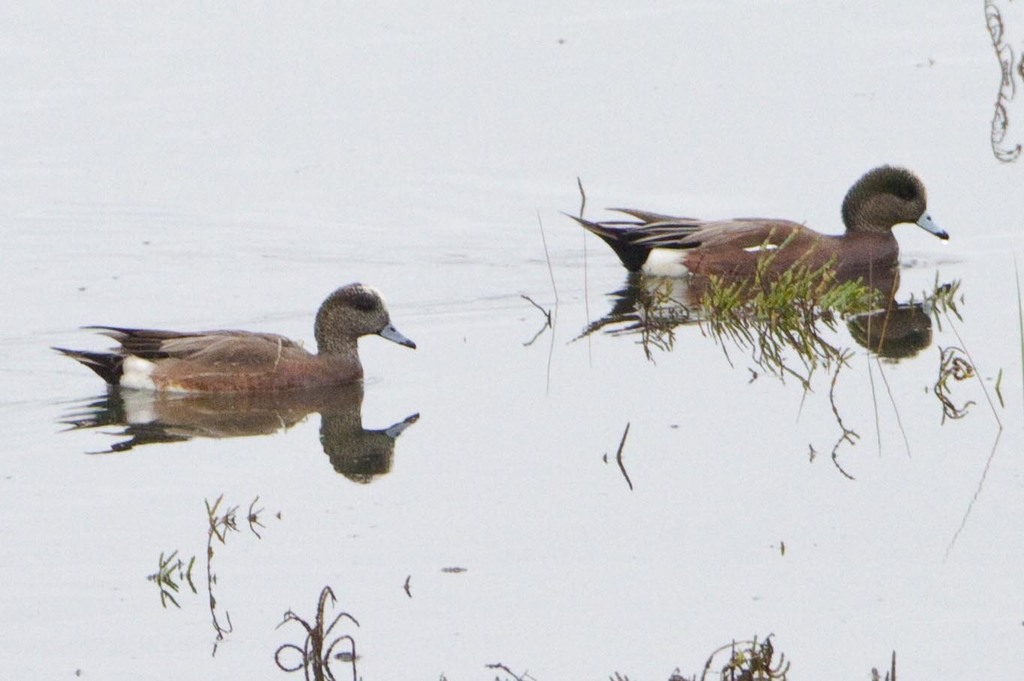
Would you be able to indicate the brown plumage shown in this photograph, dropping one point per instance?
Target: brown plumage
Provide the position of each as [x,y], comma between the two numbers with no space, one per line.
[243,361]
[882,198]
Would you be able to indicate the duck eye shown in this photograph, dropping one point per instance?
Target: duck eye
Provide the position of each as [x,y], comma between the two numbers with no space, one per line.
[364,302]
[904,187]
[907,192]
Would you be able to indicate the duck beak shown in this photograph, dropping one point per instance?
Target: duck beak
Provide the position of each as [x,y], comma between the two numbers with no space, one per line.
[392,334]
[926,223]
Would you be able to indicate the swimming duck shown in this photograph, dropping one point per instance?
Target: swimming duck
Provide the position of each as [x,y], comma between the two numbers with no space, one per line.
[665,245]
[244,361]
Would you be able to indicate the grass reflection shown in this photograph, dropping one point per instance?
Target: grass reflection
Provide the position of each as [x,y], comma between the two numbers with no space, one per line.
[220,524]
[788,325]
[173,570]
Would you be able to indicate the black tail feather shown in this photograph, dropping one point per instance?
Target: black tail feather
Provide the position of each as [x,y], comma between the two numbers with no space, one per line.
[145,343]
[107,365]
[620,238]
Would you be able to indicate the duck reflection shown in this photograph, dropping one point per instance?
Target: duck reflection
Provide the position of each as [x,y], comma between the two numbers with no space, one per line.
[899,331]
[148,417]
[653,307]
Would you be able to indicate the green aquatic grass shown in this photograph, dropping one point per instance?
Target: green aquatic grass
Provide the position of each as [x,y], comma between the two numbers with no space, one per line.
[788,323]
[773,316]
[943,301]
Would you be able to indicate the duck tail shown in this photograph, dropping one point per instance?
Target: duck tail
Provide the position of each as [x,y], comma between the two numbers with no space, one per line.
[622,241]
[107,365]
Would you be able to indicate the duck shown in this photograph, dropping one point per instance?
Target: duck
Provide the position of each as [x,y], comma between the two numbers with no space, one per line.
[229,361]
[670,246]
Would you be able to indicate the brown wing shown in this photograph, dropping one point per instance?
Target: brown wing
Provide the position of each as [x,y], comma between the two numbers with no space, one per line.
[723,244]
[655,230]
[737,247]
[646,217]
[209,347]
[742,233]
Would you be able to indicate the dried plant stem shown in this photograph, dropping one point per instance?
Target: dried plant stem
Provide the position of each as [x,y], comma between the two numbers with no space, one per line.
[315,654]
[547,257]
[895,408]
[847,434]
[1020,321]
[583,206]
[977,373]
[618,457]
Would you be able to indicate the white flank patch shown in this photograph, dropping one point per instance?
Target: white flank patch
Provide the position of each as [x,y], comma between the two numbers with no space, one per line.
[665,262]
[137,373]
[762,248]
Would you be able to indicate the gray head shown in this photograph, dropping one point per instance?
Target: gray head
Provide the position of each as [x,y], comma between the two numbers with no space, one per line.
[350,312]
[888,196]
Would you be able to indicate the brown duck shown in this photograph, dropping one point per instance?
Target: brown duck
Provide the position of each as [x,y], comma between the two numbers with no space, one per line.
[664,245]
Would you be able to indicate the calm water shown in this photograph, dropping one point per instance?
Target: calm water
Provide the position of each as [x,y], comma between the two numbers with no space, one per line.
[196,167]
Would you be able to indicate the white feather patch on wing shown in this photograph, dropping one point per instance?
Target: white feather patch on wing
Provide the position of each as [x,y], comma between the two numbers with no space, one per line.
[762,248]
[665,262]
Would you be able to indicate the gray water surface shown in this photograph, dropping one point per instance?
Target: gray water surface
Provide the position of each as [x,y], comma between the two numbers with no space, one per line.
[191,167]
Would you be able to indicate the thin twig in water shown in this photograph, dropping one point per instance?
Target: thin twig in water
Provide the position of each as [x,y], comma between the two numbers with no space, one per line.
[551,357]
[546,313]
[877,350]
[254,518]
[959,369]
[847,435]
[618,457]
[977,494]
[998,386]
[554,289]
[583,206]
[551,272]
[1020,319]
[313,655]
[874,404]
[895,410]
[499,666]
[972,368]
[586,269]
[217,526]
[547,324]
[583,195]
